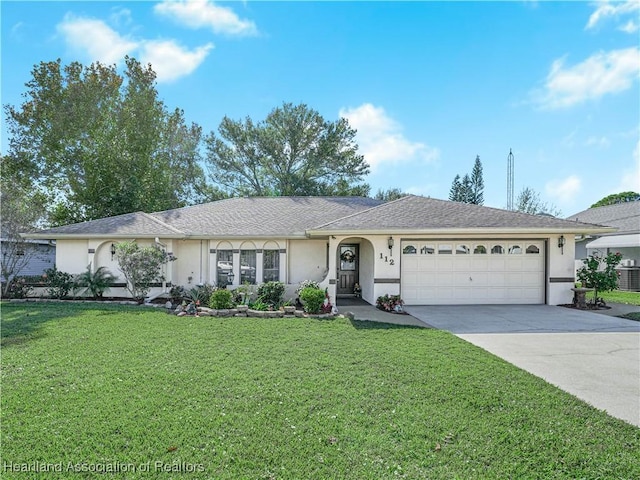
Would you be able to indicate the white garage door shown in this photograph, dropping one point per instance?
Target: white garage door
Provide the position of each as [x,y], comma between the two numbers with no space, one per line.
[472,272]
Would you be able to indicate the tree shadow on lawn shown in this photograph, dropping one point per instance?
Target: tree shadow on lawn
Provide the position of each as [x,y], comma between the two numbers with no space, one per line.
[22,322]
[373,325]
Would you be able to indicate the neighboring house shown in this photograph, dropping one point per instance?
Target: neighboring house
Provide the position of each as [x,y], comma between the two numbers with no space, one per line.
[625,217]
[42,259]
[428,251]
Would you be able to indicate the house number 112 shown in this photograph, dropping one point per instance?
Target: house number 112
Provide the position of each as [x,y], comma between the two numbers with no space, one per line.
[386,259]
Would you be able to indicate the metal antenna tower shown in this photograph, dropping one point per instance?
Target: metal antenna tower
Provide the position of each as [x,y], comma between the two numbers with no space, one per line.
[510,181]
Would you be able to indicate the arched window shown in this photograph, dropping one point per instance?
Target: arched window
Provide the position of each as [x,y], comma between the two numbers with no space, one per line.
[462,250]
[533,249]
[409,250]
[497,250]
[515,250]
[480,250]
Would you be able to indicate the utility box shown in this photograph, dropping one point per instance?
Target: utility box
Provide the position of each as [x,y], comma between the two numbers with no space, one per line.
[629,279]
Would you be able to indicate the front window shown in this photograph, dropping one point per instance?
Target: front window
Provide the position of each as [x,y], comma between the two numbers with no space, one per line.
[225,267]
[248,267]
[271,265]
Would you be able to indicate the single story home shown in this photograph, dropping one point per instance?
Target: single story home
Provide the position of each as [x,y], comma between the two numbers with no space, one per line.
[426,250]
[625,217]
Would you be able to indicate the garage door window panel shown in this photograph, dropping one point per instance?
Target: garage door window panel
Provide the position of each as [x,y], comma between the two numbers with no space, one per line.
[479,250]
[533,250]
[445,249]
[497,250]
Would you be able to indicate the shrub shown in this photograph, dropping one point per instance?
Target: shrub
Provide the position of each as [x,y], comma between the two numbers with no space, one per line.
[18,288]
[271,293]
[221,299]
[95,283]
[312,299]
[600,273]
[59,283]
[177,293]
[259,305]
[140,266]
[306,283]
[201,293]
[389,303]
[244,293]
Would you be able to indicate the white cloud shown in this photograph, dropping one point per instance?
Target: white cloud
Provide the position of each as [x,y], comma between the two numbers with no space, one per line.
[95,39]
[170,61]
[564,190]
[381,140]
[629,27]
[606,9]
[601,74]
[205,14]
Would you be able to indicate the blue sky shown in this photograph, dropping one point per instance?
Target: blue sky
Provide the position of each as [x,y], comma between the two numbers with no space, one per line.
[428,85]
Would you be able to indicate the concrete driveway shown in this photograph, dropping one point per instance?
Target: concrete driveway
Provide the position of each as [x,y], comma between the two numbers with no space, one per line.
[592,356]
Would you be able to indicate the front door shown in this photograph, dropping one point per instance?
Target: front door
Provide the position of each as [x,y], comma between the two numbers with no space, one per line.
[347,269]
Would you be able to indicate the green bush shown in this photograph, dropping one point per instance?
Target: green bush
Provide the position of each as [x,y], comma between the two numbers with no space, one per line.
[18,288]
[59,283]
[95,283]
[312,298]
[201,293]
[259,305]
[271,293]
[221,299]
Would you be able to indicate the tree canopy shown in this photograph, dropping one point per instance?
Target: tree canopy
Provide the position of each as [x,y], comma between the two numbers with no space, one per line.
[469,189]
[529,201]
[101,144]
[621,197]
[294,151]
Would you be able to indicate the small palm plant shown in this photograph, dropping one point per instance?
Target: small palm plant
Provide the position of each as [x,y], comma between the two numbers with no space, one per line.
[96,282]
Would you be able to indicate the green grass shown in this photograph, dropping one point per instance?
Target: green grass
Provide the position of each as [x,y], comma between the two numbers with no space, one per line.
[284,399]
[618,296]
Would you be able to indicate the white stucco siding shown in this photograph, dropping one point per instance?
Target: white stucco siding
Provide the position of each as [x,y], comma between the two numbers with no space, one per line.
[72,256]
[560,270]
[307,260]
[192,265]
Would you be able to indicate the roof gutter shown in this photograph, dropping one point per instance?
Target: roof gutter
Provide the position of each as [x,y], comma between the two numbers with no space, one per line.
[462,231]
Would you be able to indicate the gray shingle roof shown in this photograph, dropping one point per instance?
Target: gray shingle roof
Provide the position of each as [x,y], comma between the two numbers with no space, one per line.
[233,217]
[421,213]
[624,216]
[262,216]
[295,216]
[129,224]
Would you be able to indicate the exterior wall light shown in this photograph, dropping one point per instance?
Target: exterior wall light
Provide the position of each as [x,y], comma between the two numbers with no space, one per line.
[113,251]
[561,243]
[390,243]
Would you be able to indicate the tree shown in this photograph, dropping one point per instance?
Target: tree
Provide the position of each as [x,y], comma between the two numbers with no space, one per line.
[621,197]
[471,188]
[529,201]
[388,195]
[140,266]
[600,273]
[102,144]
[477,183]
[455,191]
[294,151]
[21,210]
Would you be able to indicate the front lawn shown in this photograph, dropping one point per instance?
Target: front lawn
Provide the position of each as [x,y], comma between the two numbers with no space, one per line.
[90,388]
[618,296]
